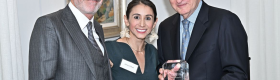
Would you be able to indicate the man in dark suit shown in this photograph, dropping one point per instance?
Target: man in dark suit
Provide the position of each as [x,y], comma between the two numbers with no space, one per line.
[69,45]
[212,40]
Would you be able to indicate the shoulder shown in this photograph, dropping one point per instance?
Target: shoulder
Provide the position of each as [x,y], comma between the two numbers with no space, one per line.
[48,21]
[170,19]
[49,18]
[224,16]
[228,21]
[55,16]
[219,13]
[169,23]
[110,43]
[218,16]
[116,42]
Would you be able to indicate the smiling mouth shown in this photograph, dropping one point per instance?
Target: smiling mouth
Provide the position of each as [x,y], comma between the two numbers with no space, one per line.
[181,5]
[141,30]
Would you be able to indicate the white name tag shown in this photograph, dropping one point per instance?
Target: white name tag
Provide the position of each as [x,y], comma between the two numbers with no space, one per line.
[127,65]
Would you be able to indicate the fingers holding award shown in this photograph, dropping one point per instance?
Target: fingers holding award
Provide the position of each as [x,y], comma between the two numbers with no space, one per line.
[175,70]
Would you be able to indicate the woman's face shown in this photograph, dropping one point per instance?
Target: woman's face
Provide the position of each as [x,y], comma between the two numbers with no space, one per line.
[141,21]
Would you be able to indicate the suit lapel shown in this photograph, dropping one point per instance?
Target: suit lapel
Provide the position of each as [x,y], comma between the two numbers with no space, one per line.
[198,29]
[79,38]
[175,30]
[99,31]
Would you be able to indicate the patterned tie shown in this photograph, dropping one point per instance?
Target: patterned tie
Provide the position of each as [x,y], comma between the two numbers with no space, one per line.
[91,38]
[185,38]
[101,61]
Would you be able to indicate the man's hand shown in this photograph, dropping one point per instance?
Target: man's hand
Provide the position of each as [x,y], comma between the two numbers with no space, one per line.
[171,74]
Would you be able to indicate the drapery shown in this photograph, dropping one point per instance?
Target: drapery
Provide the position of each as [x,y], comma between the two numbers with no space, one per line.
[11,67]
[261,19]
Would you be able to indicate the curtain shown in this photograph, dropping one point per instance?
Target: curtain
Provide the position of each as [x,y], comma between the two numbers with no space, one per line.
[11,67]
[262,23]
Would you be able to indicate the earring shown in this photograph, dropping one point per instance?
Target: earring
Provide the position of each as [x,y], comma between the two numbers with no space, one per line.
[125,33]
[152,36]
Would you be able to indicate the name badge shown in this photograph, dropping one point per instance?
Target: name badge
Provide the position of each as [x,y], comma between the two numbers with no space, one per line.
[127,65]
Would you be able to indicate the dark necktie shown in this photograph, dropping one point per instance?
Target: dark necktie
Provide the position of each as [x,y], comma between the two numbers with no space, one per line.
[91,38]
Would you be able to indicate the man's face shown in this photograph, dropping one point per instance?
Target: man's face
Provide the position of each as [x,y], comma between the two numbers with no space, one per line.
[87,7]
[184,7]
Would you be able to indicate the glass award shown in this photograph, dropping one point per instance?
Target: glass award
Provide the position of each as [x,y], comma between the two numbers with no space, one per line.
[176,70]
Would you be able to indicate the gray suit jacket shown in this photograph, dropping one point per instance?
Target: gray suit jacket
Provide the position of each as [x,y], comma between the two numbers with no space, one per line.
[60,51]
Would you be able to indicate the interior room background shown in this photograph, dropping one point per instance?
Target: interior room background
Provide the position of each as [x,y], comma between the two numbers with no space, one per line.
[260,18]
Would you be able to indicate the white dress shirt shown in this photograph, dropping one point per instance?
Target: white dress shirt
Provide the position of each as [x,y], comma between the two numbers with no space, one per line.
[83,21]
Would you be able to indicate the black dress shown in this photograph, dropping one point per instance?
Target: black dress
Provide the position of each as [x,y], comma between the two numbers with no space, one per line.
[118,51]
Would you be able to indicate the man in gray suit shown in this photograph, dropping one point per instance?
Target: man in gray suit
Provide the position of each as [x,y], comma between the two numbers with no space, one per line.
[69,45]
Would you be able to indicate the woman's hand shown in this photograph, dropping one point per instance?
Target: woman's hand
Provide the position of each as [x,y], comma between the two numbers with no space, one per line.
[111,64]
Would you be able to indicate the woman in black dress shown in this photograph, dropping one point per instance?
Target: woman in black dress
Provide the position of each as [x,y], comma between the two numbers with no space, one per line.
[131,56]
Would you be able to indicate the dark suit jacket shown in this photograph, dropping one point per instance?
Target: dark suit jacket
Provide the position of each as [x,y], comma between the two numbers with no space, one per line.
[59,50]
[217,50]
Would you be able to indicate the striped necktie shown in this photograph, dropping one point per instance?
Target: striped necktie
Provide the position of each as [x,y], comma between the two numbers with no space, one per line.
[91,38]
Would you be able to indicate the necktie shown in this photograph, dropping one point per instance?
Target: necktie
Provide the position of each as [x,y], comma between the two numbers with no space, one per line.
[101,61]
[91,38]
[185,38]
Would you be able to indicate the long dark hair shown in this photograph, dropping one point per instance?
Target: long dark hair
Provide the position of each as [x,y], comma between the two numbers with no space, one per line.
[137,2]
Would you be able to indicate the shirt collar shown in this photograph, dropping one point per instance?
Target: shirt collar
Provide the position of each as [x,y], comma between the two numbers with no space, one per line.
[193,17]
[81,18]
